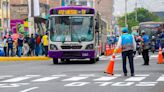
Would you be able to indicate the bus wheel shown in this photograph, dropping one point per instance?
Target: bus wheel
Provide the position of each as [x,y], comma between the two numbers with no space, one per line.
[55,60]
[93,60]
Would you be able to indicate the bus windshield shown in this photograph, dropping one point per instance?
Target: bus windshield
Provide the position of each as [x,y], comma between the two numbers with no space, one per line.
[71,28]
[151,29]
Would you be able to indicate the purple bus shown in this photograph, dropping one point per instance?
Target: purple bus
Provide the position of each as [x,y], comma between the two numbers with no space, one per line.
[73,34]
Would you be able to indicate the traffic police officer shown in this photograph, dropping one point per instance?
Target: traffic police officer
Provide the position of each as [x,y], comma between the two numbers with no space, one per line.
[145,52]
[128,44]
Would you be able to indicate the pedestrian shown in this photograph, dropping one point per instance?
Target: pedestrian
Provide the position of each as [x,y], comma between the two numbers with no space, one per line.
[128,44]
[20,45]
[45,43]
[10,45]
[26,49]
[145,46]
[32,45]
[37,48]
[27,41]
[5,46]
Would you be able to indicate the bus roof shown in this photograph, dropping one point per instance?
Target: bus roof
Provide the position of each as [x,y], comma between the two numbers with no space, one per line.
[79,8]
[151,22]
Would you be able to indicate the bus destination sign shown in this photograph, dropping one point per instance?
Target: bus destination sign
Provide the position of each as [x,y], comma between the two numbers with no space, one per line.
[71,12]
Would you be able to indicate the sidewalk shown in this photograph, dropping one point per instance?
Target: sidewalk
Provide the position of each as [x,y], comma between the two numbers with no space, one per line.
[34,58]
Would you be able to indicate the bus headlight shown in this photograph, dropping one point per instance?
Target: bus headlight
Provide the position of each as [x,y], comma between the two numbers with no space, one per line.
[53,47]
[90,46]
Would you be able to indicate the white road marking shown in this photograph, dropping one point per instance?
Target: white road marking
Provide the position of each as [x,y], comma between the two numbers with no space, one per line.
[29,89]
[123,84]
[105,78]
[17,79]
[146,84]
[135,79]
[103,83]
[45,79]
[142,75]
[62,75]
[76,84]
[87,75]
[153,56]
[75,79]
[161,78]
[117,75]
[33,75]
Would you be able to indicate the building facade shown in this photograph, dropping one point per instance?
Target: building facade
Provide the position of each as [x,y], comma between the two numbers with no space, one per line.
[4,16]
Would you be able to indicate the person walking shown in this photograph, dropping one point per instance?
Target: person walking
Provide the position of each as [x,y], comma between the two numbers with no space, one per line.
[5,46]
[128,44]
[145,46]
[10,45]
[26,49]
[32,45]
[37,48]
[45,43]
[20,45]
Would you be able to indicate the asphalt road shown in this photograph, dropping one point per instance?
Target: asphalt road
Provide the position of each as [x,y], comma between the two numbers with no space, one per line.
[80,76]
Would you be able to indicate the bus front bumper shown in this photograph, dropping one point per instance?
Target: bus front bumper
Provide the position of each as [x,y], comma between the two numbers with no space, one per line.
[72,54]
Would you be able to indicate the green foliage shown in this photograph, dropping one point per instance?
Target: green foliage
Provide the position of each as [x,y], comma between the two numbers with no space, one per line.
[143,15]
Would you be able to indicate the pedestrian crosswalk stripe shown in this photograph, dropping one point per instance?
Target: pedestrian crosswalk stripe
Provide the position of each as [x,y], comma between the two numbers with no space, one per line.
[135,79]
[105,78]
[75,79]
[62,75]
[161,78]
[18,79]
[87,75]
[45,79]
[140,75]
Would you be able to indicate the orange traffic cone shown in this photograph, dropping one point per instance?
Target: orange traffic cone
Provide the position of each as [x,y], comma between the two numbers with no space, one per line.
[160,56]
[110,67]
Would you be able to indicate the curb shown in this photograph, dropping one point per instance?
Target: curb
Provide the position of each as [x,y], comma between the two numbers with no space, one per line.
[41,58]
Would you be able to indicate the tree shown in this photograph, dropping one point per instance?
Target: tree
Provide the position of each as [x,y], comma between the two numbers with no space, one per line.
[143,15]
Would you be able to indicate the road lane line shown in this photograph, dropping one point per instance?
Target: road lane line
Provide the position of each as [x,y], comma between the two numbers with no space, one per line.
[135,79]
[17,79]
[105,78]
[160,78]
[29,89]
[45,79]
[75,79]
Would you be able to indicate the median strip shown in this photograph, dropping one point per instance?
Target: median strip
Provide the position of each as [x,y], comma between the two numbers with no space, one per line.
[39,58]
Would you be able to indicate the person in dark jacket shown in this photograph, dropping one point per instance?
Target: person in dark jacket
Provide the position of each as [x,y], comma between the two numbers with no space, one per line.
[32,45]
[10,46]
[20,45]
[146,46]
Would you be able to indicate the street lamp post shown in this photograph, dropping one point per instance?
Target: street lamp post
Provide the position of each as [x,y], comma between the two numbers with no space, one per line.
[126,13]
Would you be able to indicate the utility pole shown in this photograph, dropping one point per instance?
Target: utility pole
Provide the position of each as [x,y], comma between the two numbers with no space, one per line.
[126,13]
[136,15]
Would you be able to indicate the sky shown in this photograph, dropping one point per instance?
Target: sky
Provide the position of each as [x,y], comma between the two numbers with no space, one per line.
[152,5]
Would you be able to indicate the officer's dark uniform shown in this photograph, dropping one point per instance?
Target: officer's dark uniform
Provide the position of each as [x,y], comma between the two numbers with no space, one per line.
[145,52]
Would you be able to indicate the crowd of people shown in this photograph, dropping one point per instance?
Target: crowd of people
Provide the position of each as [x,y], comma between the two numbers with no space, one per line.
[33,45]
